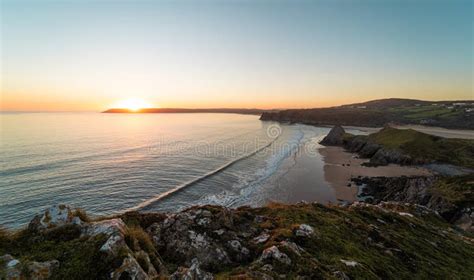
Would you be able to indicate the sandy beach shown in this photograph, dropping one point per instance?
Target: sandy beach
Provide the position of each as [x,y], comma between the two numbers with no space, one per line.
[322,174]
[340,166]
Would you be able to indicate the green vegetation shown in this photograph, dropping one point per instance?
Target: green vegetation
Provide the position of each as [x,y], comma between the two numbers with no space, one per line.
[457,190]
[136,239]
[384,244]
[80,258]
[378,113]
[427,147]
[81,214]
[381,242]
[418,114]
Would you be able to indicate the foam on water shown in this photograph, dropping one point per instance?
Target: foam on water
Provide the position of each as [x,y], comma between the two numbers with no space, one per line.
[194,181]
[106,164]
[242,193]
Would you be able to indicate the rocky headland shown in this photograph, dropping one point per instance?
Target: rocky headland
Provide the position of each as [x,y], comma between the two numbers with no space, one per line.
[450,196]
[377,113]
[405,147]
[301,241]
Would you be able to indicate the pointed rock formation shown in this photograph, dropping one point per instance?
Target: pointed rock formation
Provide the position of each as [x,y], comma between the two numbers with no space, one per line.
[335,137]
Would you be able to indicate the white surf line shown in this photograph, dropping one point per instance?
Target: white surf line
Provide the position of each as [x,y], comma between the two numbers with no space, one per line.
[235,201]
[194,181]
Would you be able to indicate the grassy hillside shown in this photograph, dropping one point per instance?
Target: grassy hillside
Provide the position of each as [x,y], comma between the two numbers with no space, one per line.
[376,113]
[457,190]
[388,241]
[420,145]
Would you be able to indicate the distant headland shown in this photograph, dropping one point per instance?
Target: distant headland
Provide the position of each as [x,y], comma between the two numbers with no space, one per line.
[377,113]
[184,110]
[452,114]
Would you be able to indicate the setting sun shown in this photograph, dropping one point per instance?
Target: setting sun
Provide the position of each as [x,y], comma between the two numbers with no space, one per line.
[133,104]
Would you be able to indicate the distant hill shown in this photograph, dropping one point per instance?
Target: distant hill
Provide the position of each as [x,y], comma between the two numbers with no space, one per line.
[377,113]
[183,110]
[403,102]
[390,102]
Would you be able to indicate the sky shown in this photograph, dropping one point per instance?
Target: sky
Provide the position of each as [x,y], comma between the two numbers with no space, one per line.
[91,55]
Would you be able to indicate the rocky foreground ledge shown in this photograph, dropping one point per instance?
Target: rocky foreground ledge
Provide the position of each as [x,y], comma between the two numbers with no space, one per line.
[302,241]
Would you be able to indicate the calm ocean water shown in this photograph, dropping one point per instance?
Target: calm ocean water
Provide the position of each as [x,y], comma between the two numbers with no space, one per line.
[109,163]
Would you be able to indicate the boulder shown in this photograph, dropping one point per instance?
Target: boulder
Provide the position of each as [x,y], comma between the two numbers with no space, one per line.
[356,143]
[30,270]
[292,247]
[304,230]
[41,270]
[262,238]
[335,137]
[369,150]
[130,269]
[274,254]
[55,216]
[349,263]
[11,267]
[200,234]
[240,253]
[194,272]
[466,220]
[386,156]
[114,229]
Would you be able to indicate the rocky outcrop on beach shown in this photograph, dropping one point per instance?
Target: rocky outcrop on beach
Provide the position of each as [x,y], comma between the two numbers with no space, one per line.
[302,241]
[376,153]
[452,197]
[407,147]
[335,137]
[366,148]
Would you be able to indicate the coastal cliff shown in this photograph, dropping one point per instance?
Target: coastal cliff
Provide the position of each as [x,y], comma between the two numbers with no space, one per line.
[405,147]
[451,197]
[302,241]
[328,116]
[377,113]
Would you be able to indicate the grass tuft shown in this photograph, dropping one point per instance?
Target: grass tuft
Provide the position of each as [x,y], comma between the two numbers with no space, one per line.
[81,214]
[136,238]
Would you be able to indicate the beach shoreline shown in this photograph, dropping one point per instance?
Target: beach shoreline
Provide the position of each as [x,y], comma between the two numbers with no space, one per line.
[323,174]
[340,166]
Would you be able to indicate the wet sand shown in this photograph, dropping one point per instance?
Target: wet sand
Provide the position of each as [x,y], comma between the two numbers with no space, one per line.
[301,178]
[322,174]
[340,166]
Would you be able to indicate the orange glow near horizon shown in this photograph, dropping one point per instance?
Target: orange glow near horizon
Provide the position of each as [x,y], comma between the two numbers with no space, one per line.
[83,56]
[52,99]
[133,104]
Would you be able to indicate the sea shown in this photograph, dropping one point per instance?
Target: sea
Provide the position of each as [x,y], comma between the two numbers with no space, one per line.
[112,163]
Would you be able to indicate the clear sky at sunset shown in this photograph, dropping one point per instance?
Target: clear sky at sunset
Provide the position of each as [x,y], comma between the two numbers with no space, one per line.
[89,55]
